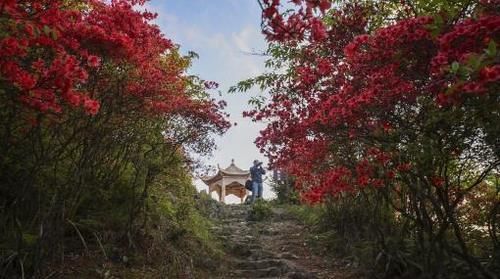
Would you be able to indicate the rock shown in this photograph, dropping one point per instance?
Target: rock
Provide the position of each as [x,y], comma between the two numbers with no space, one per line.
[257,273]
[265,249]
[258,264]
[288,256]
[302,275]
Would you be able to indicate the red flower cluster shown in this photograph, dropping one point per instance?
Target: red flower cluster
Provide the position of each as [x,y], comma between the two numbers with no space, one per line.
[38,56]
[348,85]
[295,26]
[462,53]
[50,48]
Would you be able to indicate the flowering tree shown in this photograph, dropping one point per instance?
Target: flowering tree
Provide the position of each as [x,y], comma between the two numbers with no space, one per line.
[95,107]
[50,48]
[393,98]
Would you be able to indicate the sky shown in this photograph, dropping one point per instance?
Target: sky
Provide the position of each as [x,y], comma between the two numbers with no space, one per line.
[224,33]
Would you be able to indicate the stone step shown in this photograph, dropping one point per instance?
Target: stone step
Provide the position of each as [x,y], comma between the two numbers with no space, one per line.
[237,238]
[248,254]
[288,256]
[236,229]
[301,275]
[236,211]
[234,232]
[235,220]
[258,264]
[258,273]
[293,246]
[240,250]
[242,216]
[259,254]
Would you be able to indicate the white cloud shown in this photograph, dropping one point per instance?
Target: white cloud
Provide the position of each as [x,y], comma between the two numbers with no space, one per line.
[244,39]
[233,49]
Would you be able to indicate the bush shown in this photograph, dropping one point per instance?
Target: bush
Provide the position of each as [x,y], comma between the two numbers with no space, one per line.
[260,211]
[182,244]
[310,215]
[94,141]
[285,191]
[402,134]
[369,232]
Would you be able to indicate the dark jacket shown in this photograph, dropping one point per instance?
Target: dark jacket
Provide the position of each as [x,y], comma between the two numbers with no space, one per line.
[256,173]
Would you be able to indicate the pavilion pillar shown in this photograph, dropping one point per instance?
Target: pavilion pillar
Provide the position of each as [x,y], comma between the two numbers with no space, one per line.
[223,191]
[232,178]
[243,195]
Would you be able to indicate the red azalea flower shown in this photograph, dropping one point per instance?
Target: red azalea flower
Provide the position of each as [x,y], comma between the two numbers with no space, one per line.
[490,74]
[93,61]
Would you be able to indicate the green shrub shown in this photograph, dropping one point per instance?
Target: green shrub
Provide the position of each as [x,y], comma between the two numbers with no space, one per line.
[260,211]
[309,215]
[285,191]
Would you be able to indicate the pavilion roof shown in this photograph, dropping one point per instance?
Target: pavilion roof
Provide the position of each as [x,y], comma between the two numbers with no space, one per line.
[232,170]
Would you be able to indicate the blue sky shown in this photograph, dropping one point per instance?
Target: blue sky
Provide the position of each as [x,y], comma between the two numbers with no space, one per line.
[223,33]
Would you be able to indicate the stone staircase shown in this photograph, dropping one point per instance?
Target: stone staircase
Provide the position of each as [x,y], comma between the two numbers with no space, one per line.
[260,249]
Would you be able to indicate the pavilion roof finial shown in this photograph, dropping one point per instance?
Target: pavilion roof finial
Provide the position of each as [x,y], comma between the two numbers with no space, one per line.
[232,161]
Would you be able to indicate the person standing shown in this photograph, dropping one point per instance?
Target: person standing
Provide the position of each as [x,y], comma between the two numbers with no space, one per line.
[256,172]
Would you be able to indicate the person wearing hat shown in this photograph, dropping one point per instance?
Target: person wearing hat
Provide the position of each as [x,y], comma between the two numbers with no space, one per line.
[256,172]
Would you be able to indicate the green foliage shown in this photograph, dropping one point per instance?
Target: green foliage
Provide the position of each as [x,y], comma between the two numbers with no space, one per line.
[285,192]
[439,217]
[110,184]
[182,229]
[366,231]
[309,215]
[260,211]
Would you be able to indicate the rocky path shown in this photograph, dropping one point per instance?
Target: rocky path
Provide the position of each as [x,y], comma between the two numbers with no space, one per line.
[275,248]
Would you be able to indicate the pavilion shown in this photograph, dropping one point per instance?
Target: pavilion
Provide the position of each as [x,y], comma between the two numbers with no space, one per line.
[230,180]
